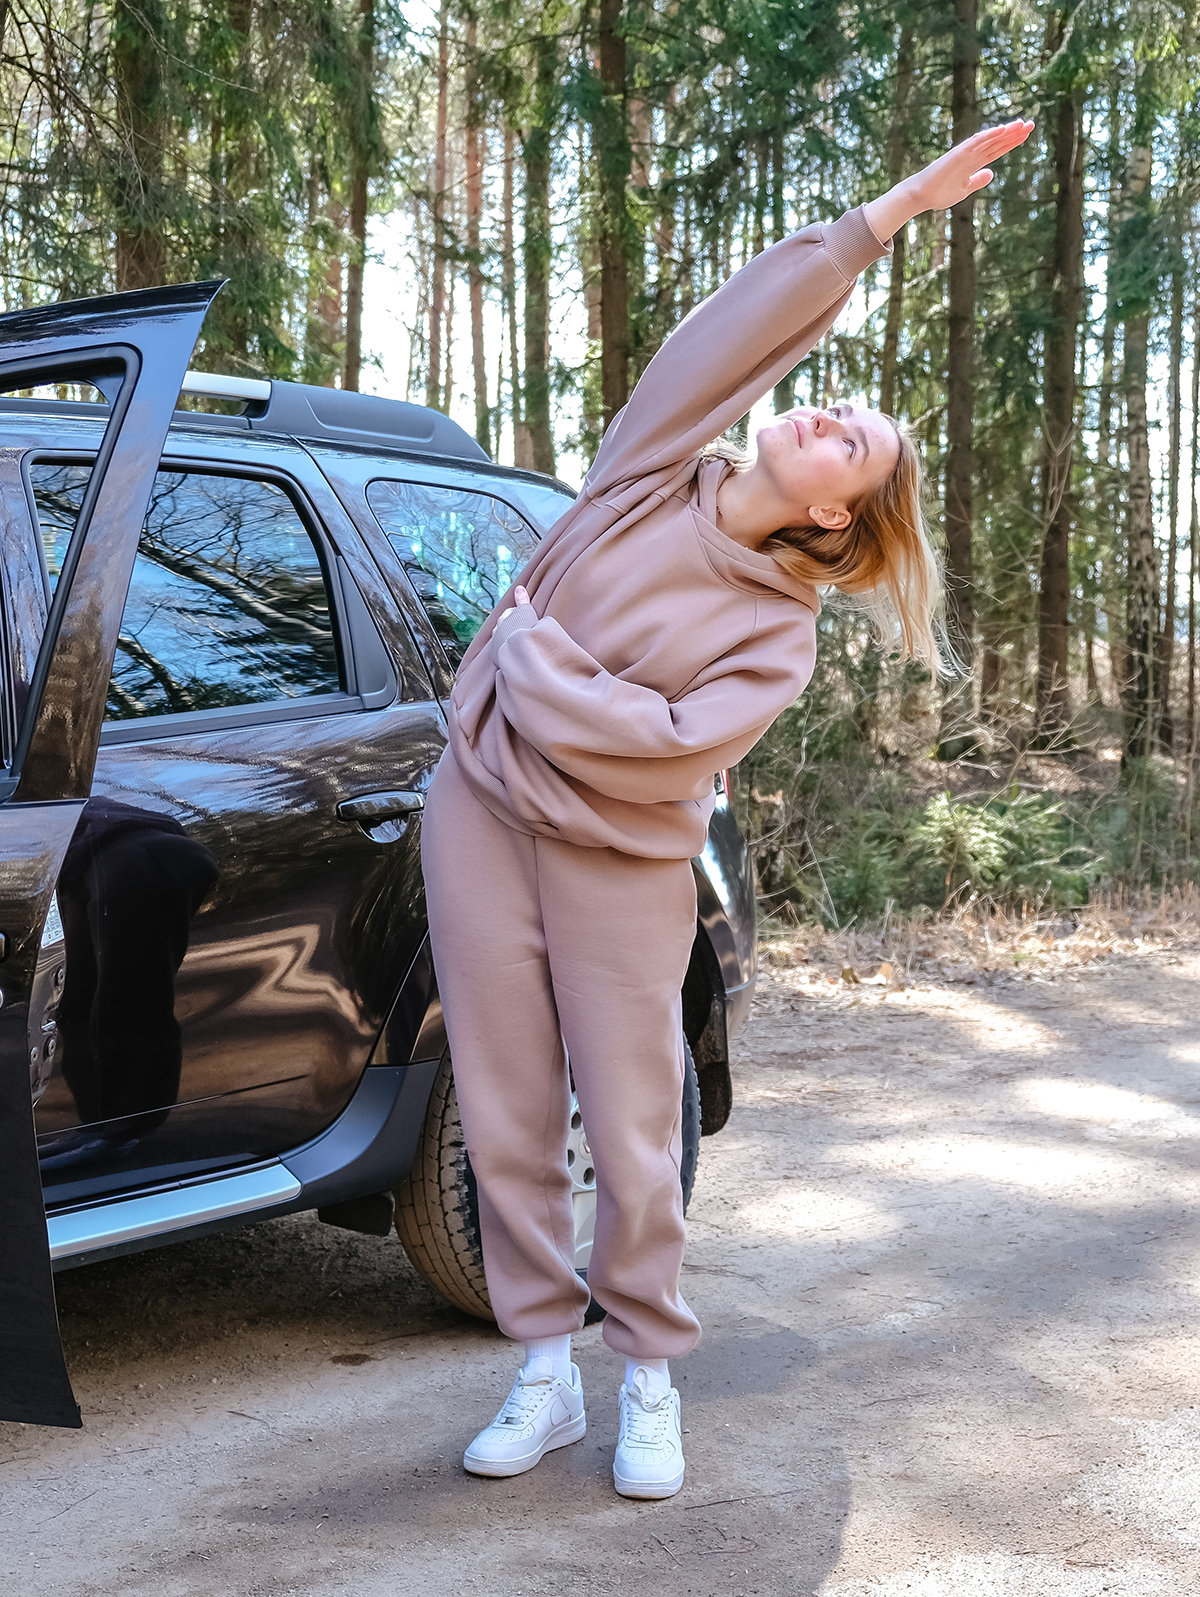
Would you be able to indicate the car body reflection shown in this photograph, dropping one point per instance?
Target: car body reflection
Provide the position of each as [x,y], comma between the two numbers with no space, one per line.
[129,889]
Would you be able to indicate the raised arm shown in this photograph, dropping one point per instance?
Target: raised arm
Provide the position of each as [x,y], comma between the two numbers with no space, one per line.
[733,347]
[760,324]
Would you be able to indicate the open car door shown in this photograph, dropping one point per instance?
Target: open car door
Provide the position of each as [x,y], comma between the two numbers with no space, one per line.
[135,349]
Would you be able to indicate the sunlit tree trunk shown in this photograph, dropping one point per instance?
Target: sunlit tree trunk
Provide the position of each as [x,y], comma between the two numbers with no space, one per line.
[538,249]
[1109,421]
[956,740]
[474,179]
[137,46]
[522,443]
[784,396]
[1166,638]
[1193,539]
[437,297]
[614,159]
[1058,423]
[897,153]
[1141,717]
[360,164]
[666,265]
[589,271]
[331,302]
[762,189]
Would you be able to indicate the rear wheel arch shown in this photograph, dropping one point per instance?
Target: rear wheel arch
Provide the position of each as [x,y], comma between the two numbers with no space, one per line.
[704,1028]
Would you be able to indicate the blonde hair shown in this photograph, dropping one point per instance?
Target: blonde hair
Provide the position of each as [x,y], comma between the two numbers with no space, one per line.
[883,556]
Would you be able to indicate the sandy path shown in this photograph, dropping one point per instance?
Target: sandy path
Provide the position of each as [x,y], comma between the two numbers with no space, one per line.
[945,1253]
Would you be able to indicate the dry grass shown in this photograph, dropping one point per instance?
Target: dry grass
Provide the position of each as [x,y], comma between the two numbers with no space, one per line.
[979,942]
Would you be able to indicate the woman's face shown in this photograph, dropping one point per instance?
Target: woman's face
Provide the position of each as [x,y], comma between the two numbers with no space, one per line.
[822,462]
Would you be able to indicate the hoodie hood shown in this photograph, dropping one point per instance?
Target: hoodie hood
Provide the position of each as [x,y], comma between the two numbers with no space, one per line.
[752,570]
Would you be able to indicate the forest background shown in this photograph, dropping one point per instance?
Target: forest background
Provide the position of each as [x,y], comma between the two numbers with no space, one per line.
[552,186]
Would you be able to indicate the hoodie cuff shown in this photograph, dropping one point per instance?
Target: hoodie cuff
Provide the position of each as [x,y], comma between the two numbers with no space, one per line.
[519,618]
[851,244]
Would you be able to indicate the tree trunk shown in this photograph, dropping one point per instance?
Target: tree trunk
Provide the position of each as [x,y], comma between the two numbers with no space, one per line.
[663,241]
[360,166]
[142,130]
[762,187]
[960,394]
[236,241]
[1058,426]
[522,445]
[1141,717]
[589,272]
[330,304]
[897,150]
[437,297]
[474,176]
[1113,585]
[417,351]
[784,396]
[1193,538]
[1166,638]
[538,249]
[614,158]
[448,384]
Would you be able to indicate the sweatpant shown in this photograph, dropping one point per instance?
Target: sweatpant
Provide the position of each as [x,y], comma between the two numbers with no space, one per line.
[539,943]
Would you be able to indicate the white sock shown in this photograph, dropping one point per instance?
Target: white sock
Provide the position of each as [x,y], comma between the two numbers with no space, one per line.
[556,1349]
[657,1369]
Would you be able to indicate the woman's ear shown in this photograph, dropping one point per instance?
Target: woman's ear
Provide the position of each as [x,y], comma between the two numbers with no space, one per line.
[833,520]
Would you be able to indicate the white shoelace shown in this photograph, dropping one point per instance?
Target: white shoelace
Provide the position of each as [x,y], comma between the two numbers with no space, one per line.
[647,1414]
[523,1401]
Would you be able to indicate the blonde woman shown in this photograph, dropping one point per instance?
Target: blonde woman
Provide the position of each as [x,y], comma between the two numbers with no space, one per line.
[664,623]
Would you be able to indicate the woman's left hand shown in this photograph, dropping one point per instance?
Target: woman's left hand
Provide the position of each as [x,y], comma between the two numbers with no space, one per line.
[965,168]
[948,180]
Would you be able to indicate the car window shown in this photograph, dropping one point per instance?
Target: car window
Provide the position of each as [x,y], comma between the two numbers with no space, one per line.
[460,551]
[542,503]
[228,604]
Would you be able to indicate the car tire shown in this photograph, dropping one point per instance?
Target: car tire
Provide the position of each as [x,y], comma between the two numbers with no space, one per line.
[437,1206]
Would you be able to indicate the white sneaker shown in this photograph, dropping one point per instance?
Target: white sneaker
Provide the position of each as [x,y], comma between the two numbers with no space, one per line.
[649,1461]
[542,1412]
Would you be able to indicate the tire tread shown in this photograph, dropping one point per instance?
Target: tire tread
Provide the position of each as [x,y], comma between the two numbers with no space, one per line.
[431,1214]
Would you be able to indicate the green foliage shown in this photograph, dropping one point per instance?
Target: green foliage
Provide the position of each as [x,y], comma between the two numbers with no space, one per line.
[1018,846]
[156,143]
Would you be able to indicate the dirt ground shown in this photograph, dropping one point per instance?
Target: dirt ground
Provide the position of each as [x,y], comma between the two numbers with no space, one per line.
[945,1256]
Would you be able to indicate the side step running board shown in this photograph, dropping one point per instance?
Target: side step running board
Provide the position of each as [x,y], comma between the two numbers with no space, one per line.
[154,1214]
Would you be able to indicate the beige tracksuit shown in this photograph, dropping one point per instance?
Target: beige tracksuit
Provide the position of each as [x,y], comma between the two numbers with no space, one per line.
[585,728]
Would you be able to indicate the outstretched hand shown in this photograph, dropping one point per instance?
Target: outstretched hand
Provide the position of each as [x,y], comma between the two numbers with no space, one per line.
[965,168]
[944,182]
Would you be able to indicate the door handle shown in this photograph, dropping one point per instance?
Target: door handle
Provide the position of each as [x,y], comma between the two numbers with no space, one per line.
[368,809]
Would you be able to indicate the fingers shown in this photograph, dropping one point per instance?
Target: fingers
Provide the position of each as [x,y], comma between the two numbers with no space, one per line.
[521,595]
[998,140]
[980,179]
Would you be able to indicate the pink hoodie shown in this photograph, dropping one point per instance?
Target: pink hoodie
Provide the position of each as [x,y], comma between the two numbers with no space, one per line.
[655,650]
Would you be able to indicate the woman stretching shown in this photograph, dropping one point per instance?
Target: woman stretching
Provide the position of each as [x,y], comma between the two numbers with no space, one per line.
[664,623]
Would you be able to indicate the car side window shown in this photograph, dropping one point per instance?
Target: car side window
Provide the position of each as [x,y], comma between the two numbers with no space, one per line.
[229,602]
[460,550]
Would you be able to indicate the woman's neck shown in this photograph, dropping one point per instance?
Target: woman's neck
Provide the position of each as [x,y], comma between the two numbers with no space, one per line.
[747,510]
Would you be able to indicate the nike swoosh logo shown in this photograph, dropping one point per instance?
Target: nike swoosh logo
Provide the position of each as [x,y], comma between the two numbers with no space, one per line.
[560,1411]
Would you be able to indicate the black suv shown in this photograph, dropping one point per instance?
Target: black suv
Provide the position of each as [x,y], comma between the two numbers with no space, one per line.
[227,644]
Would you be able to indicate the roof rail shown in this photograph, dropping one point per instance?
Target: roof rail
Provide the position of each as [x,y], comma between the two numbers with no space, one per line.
[336,415]
[214,385]
[339,415]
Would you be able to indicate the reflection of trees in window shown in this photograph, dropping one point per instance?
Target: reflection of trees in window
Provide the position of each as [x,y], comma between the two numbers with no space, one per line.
[460,551]
[228,603]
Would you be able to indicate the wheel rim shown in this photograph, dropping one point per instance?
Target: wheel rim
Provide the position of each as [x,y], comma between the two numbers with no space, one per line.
[583,1187]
